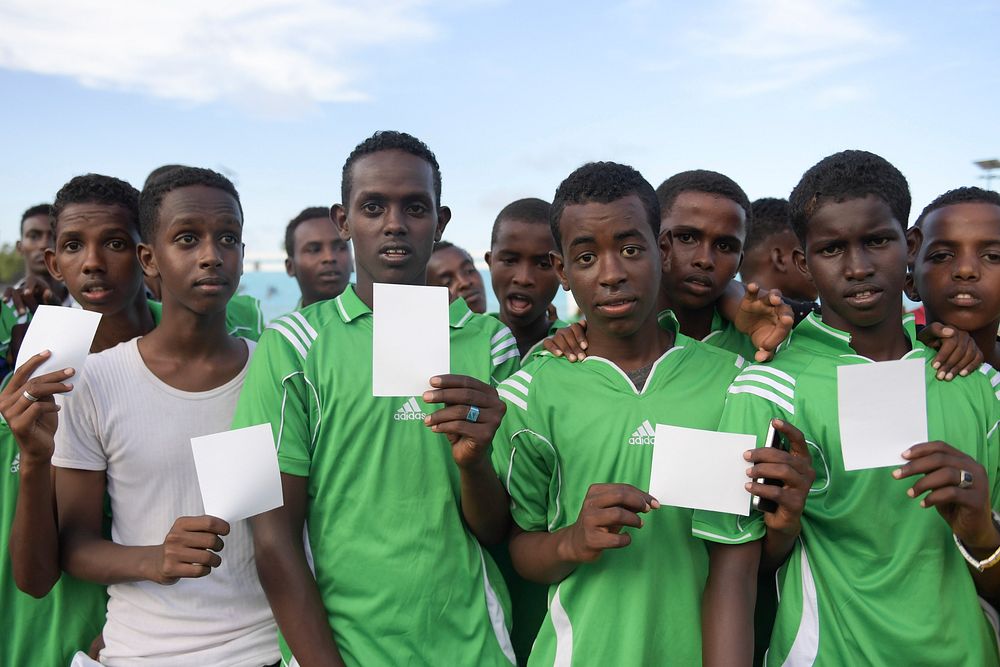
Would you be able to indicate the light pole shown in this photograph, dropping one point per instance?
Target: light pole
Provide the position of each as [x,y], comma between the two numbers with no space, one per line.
[989,166]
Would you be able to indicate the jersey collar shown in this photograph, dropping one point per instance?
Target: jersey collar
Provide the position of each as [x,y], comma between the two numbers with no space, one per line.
[815,334]
[350,307]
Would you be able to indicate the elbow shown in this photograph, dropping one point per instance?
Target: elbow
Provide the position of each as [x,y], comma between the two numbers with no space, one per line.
[36,583]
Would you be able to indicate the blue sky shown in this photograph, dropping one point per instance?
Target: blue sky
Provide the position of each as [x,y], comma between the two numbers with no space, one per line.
[511,96]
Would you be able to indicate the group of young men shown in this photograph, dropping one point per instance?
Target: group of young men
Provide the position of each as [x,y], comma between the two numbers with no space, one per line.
[503,516]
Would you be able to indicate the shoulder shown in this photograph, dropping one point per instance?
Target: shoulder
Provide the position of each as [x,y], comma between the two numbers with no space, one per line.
[488,331]
[297,331]
[521,388]
[705,353]
[775,382]
[992,376]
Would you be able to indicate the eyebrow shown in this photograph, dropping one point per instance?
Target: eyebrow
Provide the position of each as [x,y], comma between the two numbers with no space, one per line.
[581,240]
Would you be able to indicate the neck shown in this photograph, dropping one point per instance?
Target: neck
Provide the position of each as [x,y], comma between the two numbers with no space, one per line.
[695,322]
[189,334]
[987,342]
[134,320]
[527,335]
[885,341]
[365,287]
[633,351]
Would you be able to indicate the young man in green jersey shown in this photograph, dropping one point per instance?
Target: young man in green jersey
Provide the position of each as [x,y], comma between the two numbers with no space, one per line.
[875,576]
[575,446]
[521,271]
[394,512]
[956,264]
[317,257]
[96,229]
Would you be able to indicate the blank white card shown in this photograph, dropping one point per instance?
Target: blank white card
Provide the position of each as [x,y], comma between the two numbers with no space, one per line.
[410,344]
[238,472]
[67,333]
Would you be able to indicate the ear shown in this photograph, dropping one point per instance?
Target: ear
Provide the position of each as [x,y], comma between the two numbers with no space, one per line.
[557,261]
[664,243]
[339,216]
[289,267]
[51,264]
[489,258]
[777,259]
[147,261]
[799,260]
[444,217]
[17,246]
[914,239]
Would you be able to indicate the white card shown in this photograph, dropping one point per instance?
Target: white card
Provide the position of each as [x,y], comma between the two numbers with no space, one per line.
[66,332]
[701,469]
[883,411]
[238,472]
[411,341]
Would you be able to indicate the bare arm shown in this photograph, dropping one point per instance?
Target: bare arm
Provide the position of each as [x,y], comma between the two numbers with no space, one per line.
[189,549]
[547,558]
[728,604]
[289,584]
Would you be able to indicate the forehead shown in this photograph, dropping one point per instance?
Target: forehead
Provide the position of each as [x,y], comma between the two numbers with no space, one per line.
[37,222]
[198,201]
[524,237]
[968,221]
[604,220]
[315,229]
[451,257]
[851,217]
[393,173]
[709,212]
[89,217]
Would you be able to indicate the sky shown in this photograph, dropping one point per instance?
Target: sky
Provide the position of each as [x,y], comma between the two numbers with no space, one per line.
[511,96]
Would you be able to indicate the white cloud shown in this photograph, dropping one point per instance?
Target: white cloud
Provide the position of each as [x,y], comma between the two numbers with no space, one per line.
[270,54]
[770,45]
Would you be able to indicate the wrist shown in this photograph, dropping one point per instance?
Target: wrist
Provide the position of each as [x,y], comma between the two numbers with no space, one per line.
[983,542]
[34,466]
[564,546]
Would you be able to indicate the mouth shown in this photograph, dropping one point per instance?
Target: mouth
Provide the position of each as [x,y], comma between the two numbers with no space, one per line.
[518,304]
[96,292]
[699,283]
[211,284]
[863,296]
[330,276]
[616,307]
[395,255]
[964,299]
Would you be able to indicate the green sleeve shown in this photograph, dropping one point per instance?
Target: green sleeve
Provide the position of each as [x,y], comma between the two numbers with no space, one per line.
[8,318]
[505,358]
[276,392]
[753,399]
[992,455]
[525,459]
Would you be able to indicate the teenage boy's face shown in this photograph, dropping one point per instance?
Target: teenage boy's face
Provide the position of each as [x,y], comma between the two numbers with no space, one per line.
[521,270]
[197,248]
[392,217]
[855,252]
[95,256]
[957,269]
[706,234]
[612,263]
[36,238]
[322,262]
[453,268]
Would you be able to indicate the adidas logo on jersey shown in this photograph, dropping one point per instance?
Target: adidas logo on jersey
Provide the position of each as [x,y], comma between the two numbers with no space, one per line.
[15,465]
[643,435]
[410,412]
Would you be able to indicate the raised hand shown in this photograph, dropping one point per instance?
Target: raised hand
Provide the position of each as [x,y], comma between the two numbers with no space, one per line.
[470,417]
[793,468]
[570,341]
[30,409]
[764,317]
[957,353]
[190,549]
[606,509]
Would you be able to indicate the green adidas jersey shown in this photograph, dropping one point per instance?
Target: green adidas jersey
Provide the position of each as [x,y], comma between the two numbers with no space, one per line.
[403,580]
[726,336]
[8,318]
[45,632]
[571,425]
[244,317]
[875,578]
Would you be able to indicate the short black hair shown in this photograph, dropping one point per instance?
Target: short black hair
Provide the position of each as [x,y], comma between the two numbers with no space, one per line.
[967,195]
[848,175]
[309,213]
[178,177]
[97,189]
[159,171]
[702,180]
[37,209]
[603,183]
[770,217]
[442,245]
[531,210]
[389,140]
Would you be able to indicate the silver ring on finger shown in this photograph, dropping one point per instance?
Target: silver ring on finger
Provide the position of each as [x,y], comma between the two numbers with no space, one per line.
[28,395]
[964,479]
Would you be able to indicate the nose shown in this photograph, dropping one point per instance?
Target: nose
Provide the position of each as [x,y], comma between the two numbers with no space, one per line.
[393,221]
[859,265]
[93,260]
[704,258]
[612,270]
[210,256]
[966,266]
[523,275]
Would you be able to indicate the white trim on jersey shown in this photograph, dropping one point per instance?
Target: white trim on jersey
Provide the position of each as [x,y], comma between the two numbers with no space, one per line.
[765,394]
[564,631]
[495,611]
[805,646]
[510,473]
[289,336]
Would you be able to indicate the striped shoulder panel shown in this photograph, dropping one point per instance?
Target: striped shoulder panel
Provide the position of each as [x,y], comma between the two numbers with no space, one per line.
[515,389]
[768,383]
[296,330]
[993,375]
[503,346]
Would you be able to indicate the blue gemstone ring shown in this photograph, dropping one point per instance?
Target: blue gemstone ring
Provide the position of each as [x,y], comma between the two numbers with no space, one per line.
[473,415]
[965,479]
